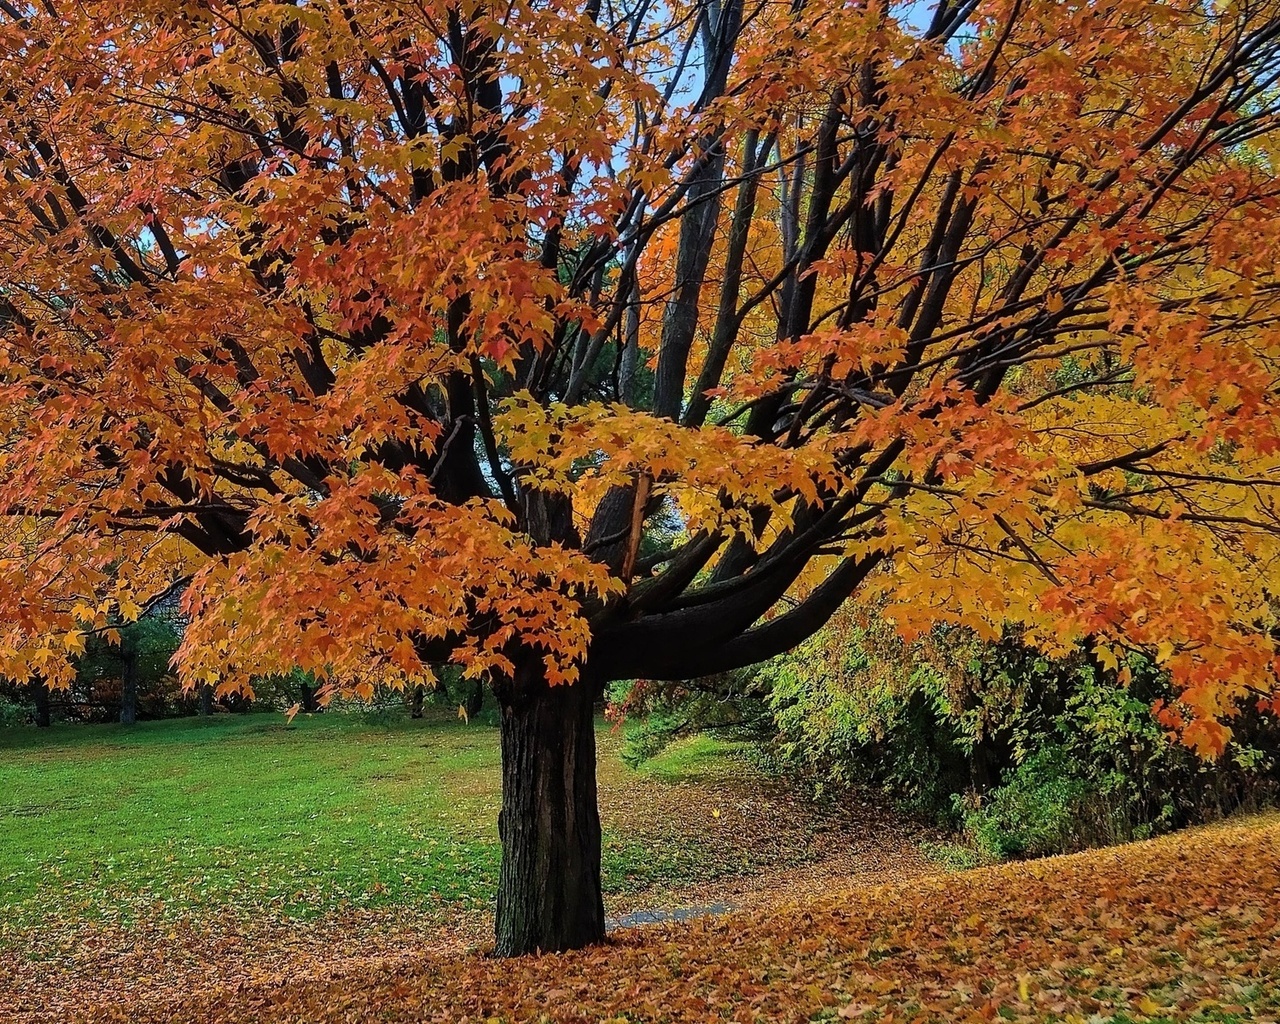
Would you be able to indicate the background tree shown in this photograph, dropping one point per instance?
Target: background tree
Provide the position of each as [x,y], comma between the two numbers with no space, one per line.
[40,697]
[136,658]
[570,344]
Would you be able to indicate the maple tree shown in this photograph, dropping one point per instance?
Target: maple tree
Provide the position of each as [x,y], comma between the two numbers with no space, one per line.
[569,344]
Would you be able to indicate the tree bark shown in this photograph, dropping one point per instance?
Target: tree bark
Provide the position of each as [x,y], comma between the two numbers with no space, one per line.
[416,701]
[206,700]
[549,895]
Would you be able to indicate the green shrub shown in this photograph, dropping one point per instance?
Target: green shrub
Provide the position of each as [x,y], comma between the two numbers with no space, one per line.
[1041,809]
[1022,753]
[12,712]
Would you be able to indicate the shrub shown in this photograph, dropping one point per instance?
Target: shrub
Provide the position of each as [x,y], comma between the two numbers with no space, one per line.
[1025,754]
[13,712]
[1039,810]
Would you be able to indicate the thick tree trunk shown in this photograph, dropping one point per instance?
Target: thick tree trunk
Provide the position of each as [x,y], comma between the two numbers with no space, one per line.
[41,693]
[415,703]
[549,895]
[206,700]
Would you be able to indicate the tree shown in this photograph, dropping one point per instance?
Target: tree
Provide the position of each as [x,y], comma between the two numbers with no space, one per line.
[138,655]
[569,344]
[40,695]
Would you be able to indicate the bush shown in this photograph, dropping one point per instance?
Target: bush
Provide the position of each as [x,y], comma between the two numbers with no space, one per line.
[1040,810]
[13,712]
[847,716]
[1025,755]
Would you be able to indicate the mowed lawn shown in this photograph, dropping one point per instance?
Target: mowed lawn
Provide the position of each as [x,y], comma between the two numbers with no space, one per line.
[243,811]
[250,815]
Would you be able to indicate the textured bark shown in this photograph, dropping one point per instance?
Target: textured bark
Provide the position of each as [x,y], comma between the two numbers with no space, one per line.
[549,895]
[206,700]
[415,703]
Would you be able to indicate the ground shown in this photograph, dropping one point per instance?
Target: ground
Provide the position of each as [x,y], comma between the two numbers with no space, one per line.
[138,862]
[841,920]
[1185,928]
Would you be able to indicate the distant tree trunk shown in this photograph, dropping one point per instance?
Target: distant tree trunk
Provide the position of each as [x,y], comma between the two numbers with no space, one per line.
[415,702]
[475,699]
[307,698]
[630,356]
[40,691]
[128,682]
[206,699]
[549,895]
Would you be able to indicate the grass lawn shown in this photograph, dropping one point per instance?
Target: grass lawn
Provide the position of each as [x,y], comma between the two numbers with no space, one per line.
[333,870]
[139,864]
[249,815]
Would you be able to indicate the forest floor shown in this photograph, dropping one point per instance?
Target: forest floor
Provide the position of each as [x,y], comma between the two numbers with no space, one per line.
[136,864]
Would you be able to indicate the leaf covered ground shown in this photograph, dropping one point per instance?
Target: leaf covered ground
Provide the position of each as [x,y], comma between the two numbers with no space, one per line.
[138,862]
[1184,928]
[336,814]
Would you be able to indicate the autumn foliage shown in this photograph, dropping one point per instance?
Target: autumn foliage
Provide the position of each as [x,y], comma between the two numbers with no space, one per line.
[605,341]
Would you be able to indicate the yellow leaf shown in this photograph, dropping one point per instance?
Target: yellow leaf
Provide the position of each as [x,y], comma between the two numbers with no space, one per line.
[462,713]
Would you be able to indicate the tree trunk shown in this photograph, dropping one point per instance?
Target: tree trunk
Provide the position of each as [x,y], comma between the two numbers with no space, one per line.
[415,704]
[475,699]
[40,691]
[128,684]
[549,895]
[206,700]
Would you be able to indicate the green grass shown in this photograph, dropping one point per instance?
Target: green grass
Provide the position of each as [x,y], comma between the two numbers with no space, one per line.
[697,759]
[251,815]
[954,856]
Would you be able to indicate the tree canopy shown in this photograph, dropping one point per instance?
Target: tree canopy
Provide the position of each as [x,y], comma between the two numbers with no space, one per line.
[631,339]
